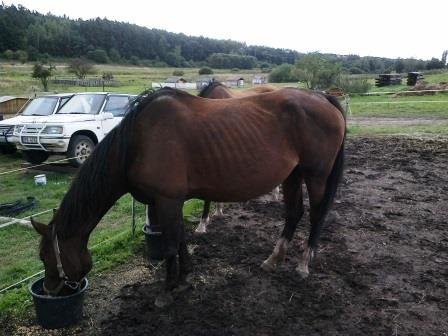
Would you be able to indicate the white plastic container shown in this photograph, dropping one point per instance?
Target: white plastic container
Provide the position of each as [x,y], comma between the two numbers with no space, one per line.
[40,179]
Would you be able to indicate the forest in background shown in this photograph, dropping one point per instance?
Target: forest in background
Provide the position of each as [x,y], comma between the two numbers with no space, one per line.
[31,36]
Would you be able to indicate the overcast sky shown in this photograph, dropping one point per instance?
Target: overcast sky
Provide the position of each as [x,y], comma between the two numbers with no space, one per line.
[387,28]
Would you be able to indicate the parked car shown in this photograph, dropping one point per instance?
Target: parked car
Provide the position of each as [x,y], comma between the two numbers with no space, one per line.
[75,129]
[31,112]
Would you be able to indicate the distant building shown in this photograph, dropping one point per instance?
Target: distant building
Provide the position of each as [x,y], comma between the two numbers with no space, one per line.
[175,80]
[203,81]
[234,81]
[259,79]
[9,106]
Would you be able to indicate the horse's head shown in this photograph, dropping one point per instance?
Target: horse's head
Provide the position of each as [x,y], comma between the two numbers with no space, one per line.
[66,261]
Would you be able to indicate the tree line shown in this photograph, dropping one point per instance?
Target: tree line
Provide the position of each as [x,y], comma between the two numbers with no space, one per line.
[30,36]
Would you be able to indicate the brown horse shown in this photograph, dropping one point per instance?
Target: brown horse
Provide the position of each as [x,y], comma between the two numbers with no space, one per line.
[173,146]
[217,90]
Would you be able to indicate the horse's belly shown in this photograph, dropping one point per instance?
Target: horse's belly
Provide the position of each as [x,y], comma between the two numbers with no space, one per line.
[242,185]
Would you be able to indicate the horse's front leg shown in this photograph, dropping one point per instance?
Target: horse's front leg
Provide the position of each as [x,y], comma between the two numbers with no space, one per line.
[169,216]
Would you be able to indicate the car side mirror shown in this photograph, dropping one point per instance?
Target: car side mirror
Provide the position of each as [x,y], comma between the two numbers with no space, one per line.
[106,115]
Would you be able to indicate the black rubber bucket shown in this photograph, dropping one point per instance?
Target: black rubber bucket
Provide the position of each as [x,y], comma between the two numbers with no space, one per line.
[54,312]
[155,245]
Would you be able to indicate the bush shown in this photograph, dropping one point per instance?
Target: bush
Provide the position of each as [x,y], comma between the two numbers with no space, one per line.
[283,73]
[205,71]
[8,54]
[134,60]
[178,73]
[353,85]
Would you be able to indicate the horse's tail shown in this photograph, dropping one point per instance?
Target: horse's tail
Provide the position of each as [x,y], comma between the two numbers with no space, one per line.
[336,173]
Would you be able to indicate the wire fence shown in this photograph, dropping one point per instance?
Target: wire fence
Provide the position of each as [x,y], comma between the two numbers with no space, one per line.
[16,220]
[39,165]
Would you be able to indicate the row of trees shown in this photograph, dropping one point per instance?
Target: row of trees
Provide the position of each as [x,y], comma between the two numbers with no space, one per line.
[319,71]
[27,35]
[103,41]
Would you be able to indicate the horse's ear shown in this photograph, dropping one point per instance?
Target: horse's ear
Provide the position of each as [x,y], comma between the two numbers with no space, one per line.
[42,229]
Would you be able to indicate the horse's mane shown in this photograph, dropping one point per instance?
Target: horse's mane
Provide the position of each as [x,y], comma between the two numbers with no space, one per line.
[205,91]
[93,174]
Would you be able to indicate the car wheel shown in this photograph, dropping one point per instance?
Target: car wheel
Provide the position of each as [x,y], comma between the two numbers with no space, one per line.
[79,149]
[35,156]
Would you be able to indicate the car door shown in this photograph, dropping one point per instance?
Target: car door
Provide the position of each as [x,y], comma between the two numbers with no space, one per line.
[113,112]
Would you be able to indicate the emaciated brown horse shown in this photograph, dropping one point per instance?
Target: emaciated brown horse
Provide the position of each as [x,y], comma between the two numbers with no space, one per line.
[173,146]
[217,90]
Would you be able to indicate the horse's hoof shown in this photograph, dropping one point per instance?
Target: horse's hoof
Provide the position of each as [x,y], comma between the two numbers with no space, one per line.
[201,229]
[267,266]
[303,271]
[164,300]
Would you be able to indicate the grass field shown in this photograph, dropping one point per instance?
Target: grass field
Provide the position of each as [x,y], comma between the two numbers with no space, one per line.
[433,106]
[16,78]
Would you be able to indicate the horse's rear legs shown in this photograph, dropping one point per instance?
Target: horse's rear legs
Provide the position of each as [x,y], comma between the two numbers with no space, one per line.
[205,218]
[293,198]
[316,191]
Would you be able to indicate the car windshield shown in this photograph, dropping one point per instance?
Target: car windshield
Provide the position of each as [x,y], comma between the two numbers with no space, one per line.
[41,106]
[117,105]
[83,104]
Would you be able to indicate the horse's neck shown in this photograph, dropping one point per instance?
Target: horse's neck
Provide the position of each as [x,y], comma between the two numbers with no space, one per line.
[86,203]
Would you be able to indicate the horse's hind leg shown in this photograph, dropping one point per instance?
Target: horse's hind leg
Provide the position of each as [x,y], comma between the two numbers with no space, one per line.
[185,264]
[316,191]
[169,216]
[205,218]
[293,198]
[219,209]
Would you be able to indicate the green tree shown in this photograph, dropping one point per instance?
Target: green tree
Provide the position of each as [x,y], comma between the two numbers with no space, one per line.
[434,63]
[444,55]
[43,74]
[283,73]
[399,65]
[8,54]
[316,71]
[80,67]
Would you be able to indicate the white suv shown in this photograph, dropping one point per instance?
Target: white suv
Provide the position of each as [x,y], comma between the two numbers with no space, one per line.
[75,129]
[36,108]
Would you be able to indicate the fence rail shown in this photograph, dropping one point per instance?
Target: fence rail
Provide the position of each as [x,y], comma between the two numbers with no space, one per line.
[86,82]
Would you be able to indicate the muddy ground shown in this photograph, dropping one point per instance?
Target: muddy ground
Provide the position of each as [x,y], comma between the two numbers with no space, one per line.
[382,266]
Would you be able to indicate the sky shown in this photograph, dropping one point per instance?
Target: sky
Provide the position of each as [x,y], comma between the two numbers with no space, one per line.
[385,28]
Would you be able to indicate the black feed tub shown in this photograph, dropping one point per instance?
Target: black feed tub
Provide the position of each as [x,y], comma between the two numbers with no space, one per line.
[57,311]
[155,245]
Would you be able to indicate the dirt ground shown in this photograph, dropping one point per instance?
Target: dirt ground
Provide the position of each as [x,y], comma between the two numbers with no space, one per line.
[382,266]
